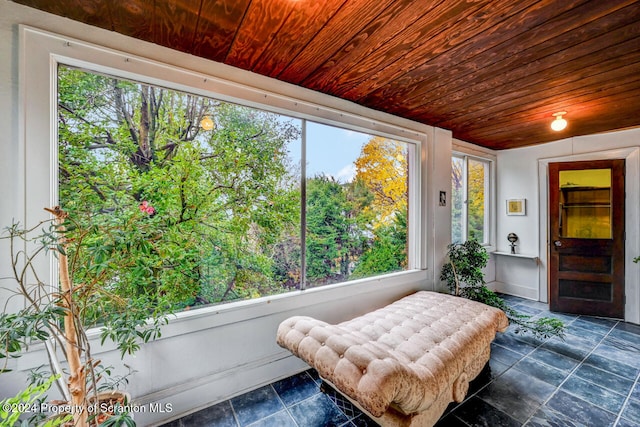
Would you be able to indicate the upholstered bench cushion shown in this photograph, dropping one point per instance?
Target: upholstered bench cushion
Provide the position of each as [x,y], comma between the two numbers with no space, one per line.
[404,355]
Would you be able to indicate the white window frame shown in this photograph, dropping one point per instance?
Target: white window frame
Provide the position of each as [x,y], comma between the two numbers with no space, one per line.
[41,52]
[466,152]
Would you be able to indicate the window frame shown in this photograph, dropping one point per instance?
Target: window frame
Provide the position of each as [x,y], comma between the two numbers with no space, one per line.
[41,52]
[466,153]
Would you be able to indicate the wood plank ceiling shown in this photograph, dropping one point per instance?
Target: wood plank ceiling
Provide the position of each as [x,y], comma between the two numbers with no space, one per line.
[492,71]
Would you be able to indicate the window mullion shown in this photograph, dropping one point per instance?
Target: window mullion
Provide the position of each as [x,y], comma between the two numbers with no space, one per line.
[303,206]
[487,204]
[465,198]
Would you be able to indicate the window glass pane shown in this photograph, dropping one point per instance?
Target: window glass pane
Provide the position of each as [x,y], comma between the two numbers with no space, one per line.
[184,200]
[470,199]
[585,203]
[180,199]
[458,232]
[356,209]
[476,199]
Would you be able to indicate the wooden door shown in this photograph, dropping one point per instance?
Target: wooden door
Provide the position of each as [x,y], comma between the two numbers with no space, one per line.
[586,241]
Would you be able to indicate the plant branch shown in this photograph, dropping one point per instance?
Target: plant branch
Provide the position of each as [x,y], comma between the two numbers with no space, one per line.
[464,277]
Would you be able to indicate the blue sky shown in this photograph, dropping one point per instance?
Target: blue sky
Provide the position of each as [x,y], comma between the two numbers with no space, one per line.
[331,151]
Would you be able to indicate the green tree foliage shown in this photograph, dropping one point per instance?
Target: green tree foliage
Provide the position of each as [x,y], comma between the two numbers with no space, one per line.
[457,200]
[29,401]
[196,213]
[476,199]
[173,215]
[329,229]
[474,183]
[381,184]
[388,252]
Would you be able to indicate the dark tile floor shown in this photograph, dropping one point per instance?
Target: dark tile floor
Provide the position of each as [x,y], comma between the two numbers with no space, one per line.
[592,378]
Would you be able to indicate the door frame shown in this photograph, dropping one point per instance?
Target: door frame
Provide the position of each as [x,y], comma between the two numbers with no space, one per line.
[632,223]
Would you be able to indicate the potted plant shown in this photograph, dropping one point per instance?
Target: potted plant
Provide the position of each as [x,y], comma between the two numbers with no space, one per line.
[464,277]
[59,316]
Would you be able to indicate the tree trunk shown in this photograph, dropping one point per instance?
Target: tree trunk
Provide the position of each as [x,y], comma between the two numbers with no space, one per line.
[77,375]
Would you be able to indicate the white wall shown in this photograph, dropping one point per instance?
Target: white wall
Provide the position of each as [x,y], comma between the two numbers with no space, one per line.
[208,355]
[516,179]
[522,173]
[441,219]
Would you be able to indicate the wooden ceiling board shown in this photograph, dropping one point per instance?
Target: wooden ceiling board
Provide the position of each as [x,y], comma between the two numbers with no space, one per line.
[568,95]
[418,45]
[598,113]
[538,60]
[304,21]
[134,18]
[464,64]
[217,26]
[174,23]
[459,59]
[366,49]
[596,86]
[338,32]
[586,117]
[261,23]
[491,71]
[565,67]
[92,12]
[496,124]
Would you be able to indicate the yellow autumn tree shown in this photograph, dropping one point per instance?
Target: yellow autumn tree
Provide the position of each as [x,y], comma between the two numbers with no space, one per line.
[382,168]
[476,200]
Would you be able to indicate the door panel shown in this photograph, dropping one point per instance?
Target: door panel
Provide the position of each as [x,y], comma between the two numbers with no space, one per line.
[586,250]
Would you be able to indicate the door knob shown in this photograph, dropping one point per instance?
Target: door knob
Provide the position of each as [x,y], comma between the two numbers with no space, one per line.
[558,243]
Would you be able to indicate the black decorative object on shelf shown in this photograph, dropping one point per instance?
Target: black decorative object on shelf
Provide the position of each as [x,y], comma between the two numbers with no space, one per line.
[513,238]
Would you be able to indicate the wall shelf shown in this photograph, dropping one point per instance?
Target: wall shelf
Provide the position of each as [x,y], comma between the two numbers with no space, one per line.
[509,254]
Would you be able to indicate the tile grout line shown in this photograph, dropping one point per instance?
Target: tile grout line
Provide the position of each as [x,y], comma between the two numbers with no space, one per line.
[628,398]
[581,363]
[613,374]
[520,360]
[233,411]
[512,366]
[286,408]
[523,356]
[349,419]
[306,399]
[572,371]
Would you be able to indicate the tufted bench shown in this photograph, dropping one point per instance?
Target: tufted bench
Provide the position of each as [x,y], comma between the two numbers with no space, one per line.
[404,363]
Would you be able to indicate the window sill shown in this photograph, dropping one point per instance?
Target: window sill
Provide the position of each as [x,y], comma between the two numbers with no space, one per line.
[219,315]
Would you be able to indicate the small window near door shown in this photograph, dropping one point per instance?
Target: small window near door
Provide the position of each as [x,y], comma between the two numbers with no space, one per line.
[470,184]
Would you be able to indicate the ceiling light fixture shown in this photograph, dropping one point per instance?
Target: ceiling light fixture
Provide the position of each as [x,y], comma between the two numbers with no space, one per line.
[206,123]
[559,123]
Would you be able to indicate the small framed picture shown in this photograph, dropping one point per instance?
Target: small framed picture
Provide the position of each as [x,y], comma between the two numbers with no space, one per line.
[516,206]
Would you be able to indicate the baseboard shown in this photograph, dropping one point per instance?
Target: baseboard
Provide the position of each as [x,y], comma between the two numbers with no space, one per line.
[515,290]
[191,396]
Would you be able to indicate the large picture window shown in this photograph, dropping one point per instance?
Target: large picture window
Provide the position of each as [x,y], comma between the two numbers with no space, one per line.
[470,181]
[212,201]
